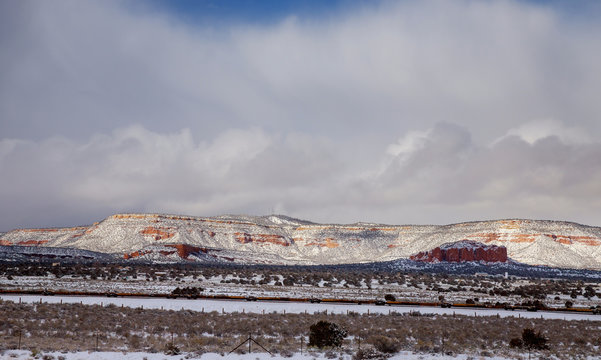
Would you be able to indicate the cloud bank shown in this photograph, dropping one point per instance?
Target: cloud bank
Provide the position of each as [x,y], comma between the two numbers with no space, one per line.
[438,175]
[408,112]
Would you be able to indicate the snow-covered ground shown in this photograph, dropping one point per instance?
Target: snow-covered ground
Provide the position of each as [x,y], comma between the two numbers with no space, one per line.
[22,354]
[259,307]
[337,288]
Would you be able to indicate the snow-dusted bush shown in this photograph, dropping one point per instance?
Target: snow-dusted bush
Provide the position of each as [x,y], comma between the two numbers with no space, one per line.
[324,333]
[384,344]
[370,354]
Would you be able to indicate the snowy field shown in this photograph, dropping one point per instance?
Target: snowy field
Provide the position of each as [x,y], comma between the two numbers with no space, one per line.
[259,307]
[321,285]
[22,355]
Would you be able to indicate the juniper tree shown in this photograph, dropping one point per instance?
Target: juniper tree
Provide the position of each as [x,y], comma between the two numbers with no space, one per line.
[325,333]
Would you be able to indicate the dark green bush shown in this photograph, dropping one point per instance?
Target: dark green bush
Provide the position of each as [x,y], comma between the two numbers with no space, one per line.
[324,333]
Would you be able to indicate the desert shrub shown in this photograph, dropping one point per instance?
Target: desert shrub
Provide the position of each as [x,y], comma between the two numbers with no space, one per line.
[35,353]
[330,354]
[369,354]
[389,297]
[384,344]
[172,349]
[530,340]
[325,333]
[285,353]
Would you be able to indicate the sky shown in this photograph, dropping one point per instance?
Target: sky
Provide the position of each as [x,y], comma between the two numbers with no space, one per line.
[399,112]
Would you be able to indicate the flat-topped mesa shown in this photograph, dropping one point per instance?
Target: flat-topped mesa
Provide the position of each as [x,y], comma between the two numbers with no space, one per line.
[278,239]
[463,251]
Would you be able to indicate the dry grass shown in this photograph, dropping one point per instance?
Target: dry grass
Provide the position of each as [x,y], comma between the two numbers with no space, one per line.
[75,327]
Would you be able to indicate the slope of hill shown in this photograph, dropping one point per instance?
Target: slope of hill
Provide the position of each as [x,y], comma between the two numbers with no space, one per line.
[283,240]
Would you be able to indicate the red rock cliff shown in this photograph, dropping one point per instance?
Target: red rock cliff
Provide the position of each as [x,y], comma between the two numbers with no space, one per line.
[462,251]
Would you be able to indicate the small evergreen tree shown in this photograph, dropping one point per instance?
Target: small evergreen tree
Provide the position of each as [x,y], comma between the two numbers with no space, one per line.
[325,333]
[530,340]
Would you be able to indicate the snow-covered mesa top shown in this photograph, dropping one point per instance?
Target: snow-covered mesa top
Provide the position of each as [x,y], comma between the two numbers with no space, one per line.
[280,239]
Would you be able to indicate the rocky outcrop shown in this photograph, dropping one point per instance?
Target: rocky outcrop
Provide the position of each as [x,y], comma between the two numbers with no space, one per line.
[245,238]
[183,250]
[463,251]
[158,233]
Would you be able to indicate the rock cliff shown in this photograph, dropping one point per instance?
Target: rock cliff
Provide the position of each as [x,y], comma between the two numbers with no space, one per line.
[462,251]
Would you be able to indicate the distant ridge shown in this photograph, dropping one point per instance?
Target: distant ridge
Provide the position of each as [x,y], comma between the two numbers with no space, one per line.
[279,239]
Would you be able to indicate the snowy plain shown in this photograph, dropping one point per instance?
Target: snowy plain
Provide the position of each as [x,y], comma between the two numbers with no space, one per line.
[22,355]
[259,307]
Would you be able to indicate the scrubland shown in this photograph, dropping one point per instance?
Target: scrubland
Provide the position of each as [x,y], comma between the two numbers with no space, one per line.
[303,282]
[75,327]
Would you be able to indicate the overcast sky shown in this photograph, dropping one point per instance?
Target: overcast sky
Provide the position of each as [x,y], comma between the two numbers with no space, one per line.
[402,112]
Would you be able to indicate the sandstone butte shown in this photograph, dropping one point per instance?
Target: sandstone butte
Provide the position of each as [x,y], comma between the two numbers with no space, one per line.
[462,251]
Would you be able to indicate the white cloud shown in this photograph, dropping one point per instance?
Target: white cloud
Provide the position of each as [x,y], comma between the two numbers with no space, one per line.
[539,129]
[134,169]
[446,178]
[408,144]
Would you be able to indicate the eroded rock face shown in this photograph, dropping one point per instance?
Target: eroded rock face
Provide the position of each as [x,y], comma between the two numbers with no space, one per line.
[158,233]
[246,238]
[462,251]
[182,250]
